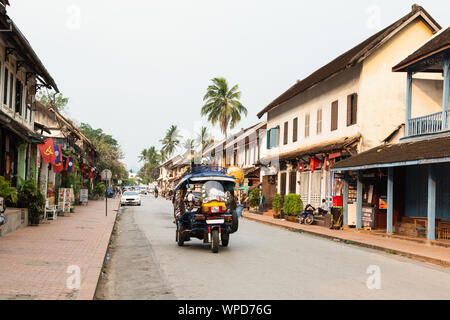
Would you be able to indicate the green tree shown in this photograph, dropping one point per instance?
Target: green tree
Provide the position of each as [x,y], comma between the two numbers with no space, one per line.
[170,141]
[108,149]
[204,139]
[222,105]
[49,100]
[151,159]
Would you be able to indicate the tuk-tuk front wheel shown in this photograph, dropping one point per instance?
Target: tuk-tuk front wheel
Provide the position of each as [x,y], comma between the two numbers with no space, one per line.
[215,241]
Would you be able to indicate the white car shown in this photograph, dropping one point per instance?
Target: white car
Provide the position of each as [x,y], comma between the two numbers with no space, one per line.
[130,198]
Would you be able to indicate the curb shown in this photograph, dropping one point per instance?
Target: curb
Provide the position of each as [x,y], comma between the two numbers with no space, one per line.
[92,295]
[439,262]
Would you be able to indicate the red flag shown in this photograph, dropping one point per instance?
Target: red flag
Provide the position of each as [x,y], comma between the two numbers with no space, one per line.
[47,151]
[314,163]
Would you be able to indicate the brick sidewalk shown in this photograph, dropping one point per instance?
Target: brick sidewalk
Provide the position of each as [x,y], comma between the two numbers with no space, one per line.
[34,260]
[419,251]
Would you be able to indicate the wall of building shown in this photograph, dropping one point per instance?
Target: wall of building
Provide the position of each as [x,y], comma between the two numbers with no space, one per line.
[382,101]
[320,96]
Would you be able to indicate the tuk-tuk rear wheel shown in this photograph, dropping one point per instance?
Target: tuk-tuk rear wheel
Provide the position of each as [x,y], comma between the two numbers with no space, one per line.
[179,238]
[215,241]
[225,239]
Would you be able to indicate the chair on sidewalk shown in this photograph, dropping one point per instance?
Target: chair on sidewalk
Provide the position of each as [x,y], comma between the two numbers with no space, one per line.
[50,209]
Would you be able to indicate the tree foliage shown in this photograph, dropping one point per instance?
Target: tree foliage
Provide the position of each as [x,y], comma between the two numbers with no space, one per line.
[58,101]
[222,105]
[170,142]
[151,159]
[108,149]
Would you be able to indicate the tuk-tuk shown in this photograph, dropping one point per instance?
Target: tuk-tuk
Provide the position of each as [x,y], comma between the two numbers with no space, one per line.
[205,207]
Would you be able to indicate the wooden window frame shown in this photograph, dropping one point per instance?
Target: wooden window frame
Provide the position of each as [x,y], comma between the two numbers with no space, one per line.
[335,115]
[352,109]
[286,133]
[319,121]
[295,130]
[307,125]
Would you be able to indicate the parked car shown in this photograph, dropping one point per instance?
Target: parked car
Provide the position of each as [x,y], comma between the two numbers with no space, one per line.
[144,191]
[130,198]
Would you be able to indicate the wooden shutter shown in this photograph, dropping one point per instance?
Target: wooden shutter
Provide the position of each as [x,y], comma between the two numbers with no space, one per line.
[334,115]
[268,144]
[295,130]
[293,182]
[307,126]
[285,133]
[349,110]
[283,184]
[319,122]
[352,109]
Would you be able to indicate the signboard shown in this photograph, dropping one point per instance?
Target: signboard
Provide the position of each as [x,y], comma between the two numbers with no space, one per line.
[65,200]
[368,218]
[106,174]
[84,194]
[382,203]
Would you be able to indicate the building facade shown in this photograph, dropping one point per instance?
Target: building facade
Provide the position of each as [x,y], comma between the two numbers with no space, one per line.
[346,107]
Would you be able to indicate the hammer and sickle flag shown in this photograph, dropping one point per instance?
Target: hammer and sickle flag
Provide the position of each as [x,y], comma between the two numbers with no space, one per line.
[58,165]
[47,151]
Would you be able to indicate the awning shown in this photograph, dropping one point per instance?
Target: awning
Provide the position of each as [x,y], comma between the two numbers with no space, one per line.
[417,152]
[325,147]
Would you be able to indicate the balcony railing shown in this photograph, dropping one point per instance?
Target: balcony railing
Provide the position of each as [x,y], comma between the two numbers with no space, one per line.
[432,123]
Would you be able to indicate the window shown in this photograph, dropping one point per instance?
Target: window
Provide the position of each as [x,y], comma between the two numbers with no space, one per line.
[319,121]
[19,96]
[307,118]
[5,87]
[295,130]
[334,115]
[285,133]
[283,183]
[293,182]
[28,109]
[352,109]
[11,84]
[273,137]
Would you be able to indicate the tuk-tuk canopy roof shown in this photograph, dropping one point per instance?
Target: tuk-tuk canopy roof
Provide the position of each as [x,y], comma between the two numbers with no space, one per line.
[203,174]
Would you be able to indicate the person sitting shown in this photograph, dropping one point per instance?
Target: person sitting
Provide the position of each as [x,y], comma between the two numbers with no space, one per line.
[323,210]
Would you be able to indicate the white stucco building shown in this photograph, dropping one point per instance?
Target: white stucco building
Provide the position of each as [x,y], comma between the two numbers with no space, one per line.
[348,106]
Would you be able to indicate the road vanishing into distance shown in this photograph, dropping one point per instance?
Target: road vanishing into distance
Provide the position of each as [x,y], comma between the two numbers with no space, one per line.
[261,262]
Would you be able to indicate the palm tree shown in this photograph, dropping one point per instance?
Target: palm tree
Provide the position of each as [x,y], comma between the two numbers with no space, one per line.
[204,139]
[189,145]
[170,142]
[222,105]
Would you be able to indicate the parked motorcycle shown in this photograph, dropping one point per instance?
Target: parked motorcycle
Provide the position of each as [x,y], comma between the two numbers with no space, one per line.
[307,216]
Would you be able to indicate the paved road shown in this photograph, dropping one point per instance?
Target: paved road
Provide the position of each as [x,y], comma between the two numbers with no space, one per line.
[262,262]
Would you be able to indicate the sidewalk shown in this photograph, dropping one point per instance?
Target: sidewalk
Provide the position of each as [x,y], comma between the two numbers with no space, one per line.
[34,260]
[419,251]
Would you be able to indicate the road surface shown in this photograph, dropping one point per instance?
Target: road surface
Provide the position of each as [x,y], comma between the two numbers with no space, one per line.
[261,262]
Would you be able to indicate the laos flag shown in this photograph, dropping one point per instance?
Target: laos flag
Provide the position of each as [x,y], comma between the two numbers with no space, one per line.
[58,165]
[69,164]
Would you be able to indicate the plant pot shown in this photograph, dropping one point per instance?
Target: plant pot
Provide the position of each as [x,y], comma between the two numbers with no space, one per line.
[276,216]
[292,218]
[33,220]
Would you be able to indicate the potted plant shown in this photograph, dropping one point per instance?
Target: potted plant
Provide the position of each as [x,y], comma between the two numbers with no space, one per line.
[99,191]
[254,198]
[7,192]
[29,196]
[277,205]
[293,207]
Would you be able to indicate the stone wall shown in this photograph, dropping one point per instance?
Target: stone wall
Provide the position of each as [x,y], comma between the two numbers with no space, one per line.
[15,219]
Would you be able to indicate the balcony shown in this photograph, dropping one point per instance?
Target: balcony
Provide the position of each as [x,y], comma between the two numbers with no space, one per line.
[430,124]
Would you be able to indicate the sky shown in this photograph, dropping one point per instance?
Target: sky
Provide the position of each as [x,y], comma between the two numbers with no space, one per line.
[136,67]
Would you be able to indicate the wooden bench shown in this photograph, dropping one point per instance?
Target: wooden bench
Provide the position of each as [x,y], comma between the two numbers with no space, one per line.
[444,230]
[421,225]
